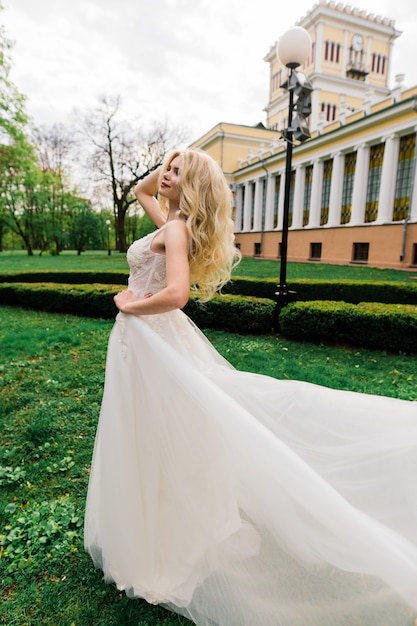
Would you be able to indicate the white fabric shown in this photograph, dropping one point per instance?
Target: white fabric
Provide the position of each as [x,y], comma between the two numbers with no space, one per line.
[239,500]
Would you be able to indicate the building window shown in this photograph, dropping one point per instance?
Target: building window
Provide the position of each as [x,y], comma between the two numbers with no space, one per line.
[325,192]
[360,253]
[378,63]
[237,244]
[291,202]
[279,249]
[257,249]
[374,182]
[264,185]
[405,175]
[276,81]
[307,194]
[310,60]
[276,198]
[414,259]
[329,111]
[243,205]
[252,205]
[315,251]
[347,191]
[332,51]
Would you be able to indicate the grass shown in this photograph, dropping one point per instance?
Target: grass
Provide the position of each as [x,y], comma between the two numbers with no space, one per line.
[270,269]
[18,260]
[52,370]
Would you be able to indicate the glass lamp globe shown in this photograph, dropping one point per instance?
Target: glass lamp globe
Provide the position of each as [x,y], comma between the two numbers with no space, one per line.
[294,47]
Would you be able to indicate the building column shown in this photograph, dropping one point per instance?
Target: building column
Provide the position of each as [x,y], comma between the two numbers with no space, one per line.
[247,207]
[297,211]
[281,201]
[359,185]
[316,187]
[388,180]
[336,190]
[269,206]
[238,209]
[257,218]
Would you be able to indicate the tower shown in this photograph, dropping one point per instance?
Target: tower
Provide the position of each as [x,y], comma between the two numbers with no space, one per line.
[348,67]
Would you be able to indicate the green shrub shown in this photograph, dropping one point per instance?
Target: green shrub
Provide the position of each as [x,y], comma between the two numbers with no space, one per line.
[353,291]
[228,312]
[96,300]
[67,277]
[370,325]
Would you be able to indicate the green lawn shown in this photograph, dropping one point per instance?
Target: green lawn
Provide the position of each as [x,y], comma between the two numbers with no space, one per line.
[52,371]
[265,268]
[91,260]
[100,261]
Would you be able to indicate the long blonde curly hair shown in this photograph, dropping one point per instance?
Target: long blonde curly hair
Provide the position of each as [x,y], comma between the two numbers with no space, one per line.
[206,205]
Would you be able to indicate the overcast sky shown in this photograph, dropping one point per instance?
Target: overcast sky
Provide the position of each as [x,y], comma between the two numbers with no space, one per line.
[191,63]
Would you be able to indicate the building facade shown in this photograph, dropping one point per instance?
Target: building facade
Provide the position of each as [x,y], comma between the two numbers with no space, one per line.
[352,192]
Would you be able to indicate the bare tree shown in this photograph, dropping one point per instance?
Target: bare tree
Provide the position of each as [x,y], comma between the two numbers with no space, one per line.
[55,150]
[120,155]
[55,146]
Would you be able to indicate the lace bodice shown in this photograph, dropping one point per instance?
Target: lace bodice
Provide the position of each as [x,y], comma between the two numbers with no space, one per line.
[147,268]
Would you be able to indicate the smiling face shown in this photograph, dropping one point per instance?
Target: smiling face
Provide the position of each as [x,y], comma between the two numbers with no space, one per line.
[169,184]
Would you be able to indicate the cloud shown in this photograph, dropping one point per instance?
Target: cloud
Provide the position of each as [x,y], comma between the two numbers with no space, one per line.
[191,63]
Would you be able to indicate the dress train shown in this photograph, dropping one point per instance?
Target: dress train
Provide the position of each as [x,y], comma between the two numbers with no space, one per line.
[240,500]
[237,499]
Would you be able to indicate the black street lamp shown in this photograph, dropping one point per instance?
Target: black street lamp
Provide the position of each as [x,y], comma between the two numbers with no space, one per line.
[108,237]
[293,49]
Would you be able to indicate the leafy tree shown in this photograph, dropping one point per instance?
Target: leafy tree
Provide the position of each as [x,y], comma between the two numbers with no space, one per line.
[138,224]
[15,150]
[27,205]
[121,155]
[85,226]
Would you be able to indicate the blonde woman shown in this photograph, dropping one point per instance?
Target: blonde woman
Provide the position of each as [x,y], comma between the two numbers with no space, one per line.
[231,498]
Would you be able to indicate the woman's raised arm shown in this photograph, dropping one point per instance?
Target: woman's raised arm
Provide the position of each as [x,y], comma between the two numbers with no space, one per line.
[145,192]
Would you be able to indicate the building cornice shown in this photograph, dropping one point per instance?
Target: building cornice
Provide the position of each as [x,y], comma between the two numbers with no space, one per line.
[358,126]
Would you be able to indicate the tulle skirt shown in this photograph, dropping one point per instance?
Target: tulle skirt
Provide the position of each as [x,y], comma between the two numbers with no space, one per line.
[236,499]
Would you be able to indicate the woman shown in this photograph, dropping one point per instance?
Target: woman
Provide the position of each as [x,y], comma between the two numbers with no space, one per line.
[232,498]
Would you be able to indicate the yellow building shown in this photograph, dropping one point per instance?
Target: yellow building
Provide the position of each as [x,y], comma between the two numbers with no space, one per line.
[352,196]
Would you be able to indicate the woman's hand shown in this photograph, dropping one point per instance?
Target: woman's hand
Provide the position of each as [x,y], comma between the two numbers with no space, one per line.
[125,298]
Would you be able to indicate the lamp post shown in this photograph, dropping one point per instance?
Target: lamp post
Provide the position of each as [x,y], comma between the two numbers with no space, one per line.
[108,237]
[293,49]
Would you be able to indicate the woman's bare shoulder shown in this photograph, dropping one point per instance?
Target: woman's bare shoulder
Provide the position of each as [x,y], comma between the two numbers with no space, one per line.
[177,222]
[173,232]
[175,227]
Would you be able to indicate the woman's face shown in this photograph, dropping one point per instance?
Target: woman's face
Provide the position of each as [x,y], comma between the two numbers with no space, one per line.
[169,183]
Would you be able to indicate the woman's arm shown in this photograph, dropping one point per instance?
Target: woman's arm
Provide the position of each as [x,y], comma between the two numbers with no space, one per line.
[145,192]
[177,291]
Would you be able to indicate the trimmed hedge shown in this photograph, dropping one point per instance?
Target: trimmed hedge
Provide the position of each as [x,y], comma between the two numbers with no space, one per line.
[353,291]
[234,313]
[88,300]
[79,277]
[246,315]
[370,325]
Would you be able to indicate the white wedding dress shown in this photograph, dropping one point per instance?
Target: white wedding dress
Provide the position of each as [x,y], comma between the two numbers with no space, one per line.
[240,500]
